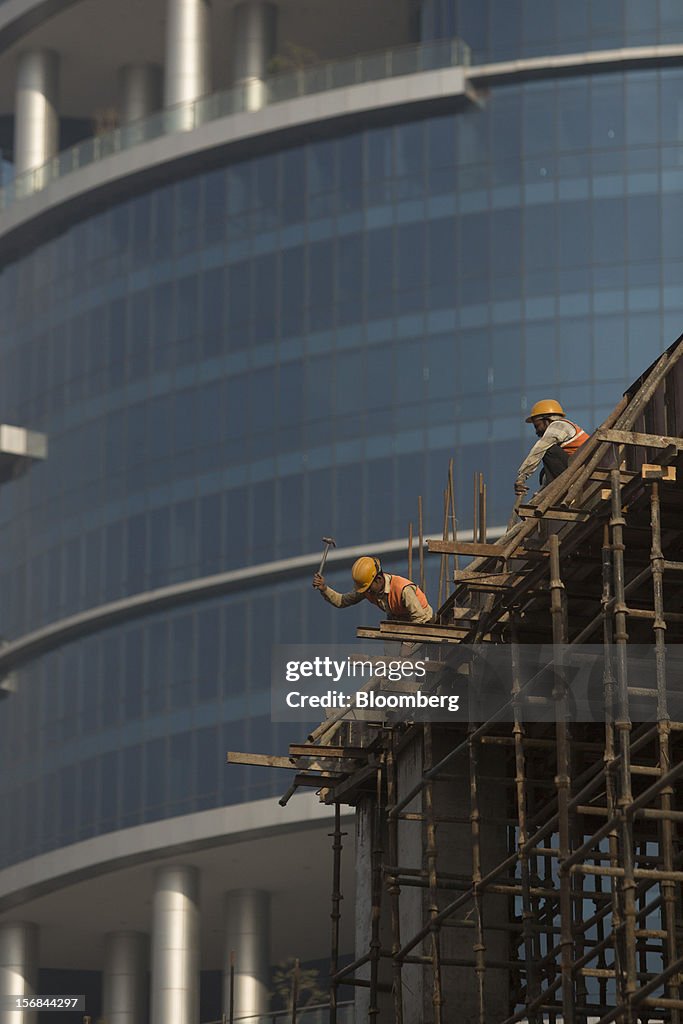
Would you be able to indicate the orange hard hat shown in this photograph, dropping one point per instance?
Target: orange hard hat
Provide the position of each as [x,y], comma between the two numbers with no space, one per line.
[546,407]
[364,571]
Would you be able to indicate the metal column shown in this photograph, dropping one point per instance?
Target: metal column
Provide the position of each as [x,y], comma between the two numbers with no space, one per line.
[36,122]
[247,935]
[253,45]
[186,75]
[18,968]
[125,977]
[175,946]
[140,91]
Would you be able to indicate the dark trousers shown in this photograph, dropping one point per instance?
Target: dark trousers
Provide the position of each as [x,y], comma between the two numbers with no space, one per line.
[555,461]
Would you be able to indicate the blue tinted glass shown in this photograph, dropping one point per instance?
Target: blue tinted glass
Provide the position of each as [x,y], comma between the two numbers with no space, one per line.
[607,22]
[350,173]
[293,186]
[292,290]
[608,221]
[539,26]
[239,304]
[607,112]
[214,205]
[264,311]
[131,793]
[642,108]
[380,272]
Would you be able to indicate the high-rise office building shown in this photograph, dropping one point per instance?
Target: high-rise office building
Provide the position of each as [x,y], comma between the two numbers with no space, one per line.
[265,268]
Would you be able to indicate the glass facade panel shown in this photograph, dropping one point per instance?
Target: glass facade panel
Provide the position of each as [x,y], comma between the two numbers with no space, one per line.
[498,30]
[316,332]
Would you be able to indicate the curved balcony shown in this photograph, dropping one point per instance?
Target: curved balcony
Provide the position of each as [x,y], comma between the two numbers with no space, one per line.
[245,98]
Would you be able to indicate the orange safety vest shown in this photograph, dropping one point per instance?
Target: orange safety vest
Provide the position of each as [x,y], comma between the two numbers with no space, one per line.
[396,587]
[574,443]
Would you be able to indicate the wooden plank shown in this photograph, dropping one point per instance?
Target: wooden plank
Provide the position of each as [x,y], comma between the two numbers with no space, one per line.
[650,471]
[320,750]
[261,760]
[632,437]
[461,547]
[467,575]
[487,588]
[318,781]
[412,631]
[450,547]
[601,476]
[565,515]
[453,636]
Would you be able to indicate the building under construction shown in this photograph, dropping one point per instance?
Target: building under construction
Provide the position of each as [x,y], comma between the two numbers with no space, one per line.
[523,867]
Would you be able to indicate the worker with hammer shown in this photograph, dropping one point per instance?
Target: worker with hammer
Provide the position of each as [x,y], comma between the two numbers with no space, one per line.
[397,596]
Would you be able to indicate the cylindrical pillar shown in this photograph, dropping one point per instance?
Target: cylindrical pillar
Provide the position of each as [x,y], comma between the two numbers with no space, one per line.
[254,39]
[140,91]
[186,71]
[125,977]
[18,968]
[36,122]
[175,946]
[247,935]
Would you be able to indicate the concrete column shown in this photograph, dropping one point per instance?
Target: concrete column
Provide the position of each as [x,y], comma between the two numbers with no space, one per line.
[186,72]
[140,91]
[36,122]
[175,946]
[126,962]
[18,968]
[247,934]
[254,38]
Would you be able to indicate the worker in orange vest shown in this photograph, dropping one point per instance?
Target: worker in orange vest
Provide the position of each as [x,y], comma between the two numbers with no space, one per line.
[399,597]
[558,440]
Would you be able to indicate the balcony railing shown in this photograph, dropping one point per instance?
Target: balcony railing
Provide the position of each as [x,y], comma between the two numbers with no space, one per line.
[319,1014]
[318,78]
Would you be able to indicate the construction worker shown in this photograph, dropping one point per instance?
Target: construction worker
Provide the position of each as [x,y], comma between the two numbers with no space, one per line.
[559,439]
[395,595]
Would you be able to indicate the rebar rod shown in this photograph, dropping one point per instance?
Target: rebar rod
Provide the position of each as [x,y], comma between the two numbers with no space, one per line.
[443,569]
[376,910]
[431,865]
[336,910]
[393,886]
[530,948]
[623,730]
[454,518]
[666,795]
[479,946]
[421,541]
[562,778]
[475,506]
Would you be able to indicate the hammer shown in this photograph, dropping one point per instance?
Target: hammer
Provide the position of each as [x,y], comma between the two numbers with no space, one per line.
[329,543]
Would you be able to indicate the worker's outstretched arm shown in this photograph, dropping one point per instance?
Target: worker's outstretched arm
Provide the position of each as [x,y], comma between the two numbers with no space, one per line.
[333,597]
